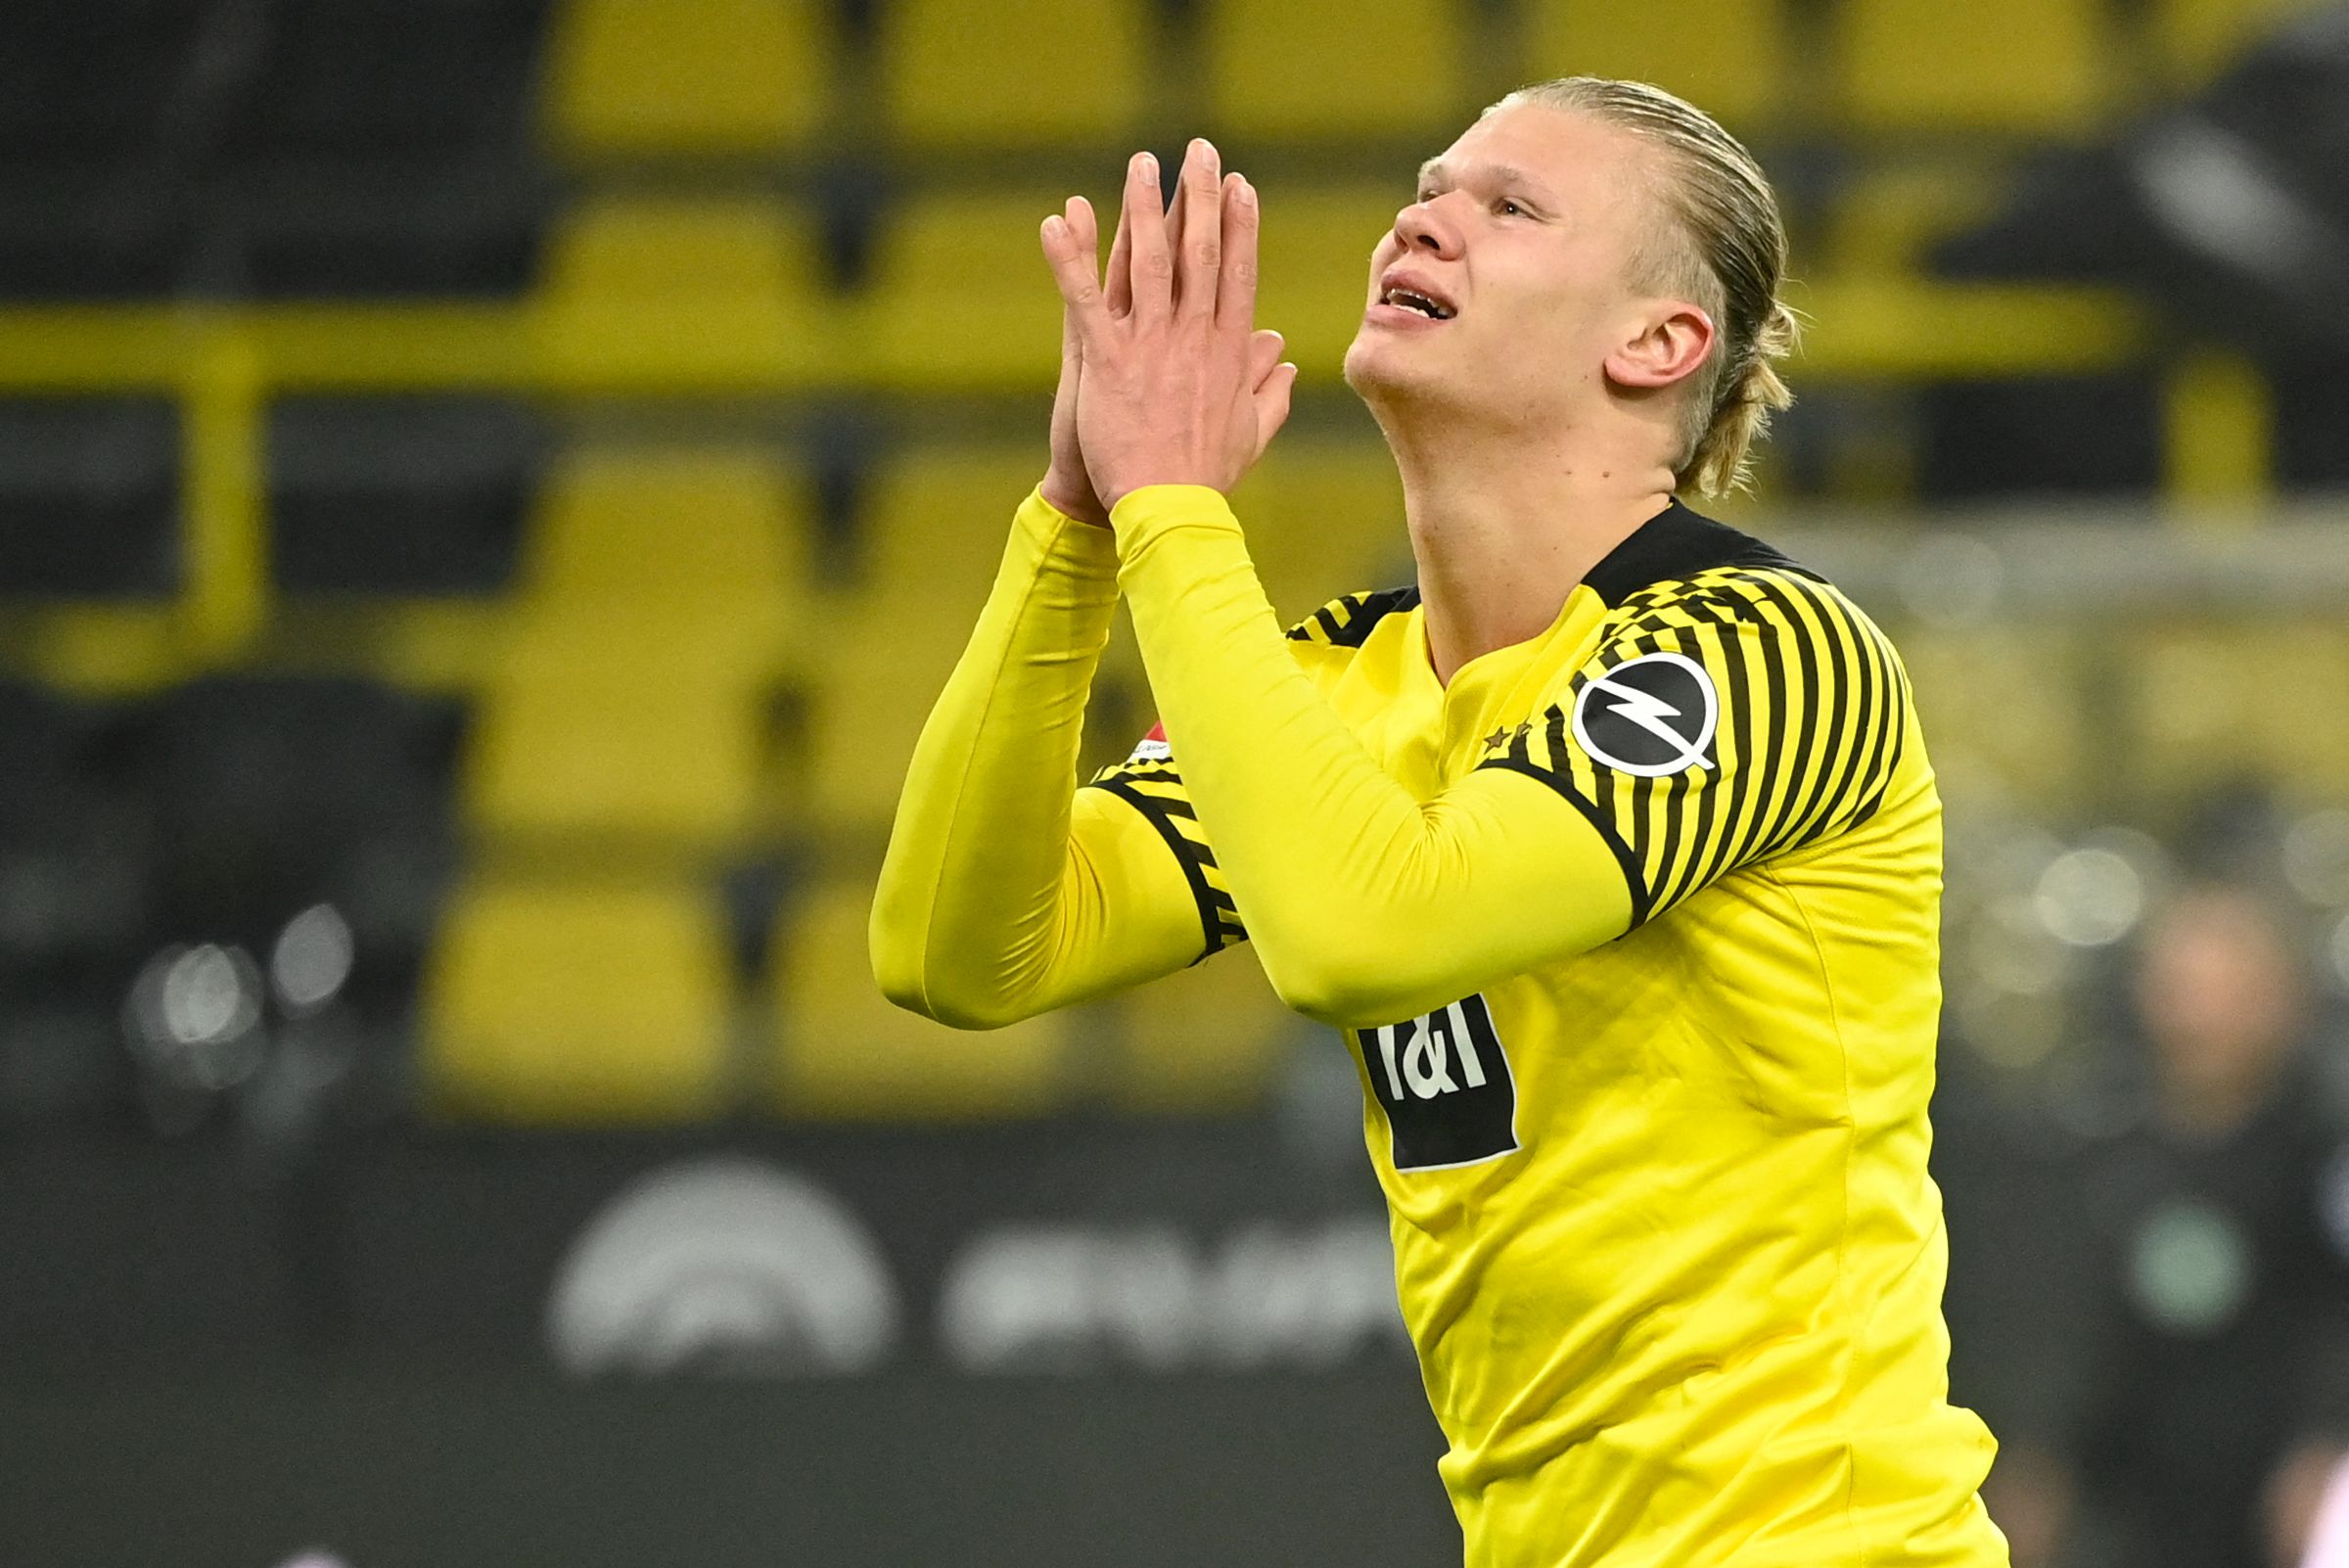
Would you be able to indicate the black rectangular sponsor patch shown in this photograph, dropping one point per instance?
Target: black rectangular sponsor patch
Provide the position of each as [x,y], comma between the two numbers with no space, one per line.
[1443,1080]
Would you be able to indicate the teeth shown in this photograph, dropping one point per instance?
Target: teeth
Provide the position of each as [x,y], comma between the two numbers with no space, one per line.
[1411,300]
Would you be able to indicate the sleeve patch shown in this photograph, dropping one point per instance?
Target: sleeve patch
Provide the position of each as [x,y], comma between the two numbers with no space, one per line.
[1741,717]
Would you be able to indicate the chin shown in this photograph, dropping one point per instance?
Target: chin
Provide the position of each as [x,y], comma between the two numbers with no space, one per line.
[1371,366]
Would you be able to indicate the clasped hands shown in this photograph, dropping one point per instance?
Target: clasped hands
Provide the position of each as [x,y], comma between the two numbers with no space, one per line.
[1164,380]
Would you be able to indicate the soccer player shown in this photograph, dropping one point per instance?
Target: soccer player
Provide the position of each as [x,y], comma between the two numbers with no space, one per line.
[1611,846]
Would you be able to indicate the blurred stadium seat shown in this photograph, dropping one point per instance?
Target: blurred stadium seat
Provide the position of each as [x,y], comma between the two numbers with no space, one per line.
[2208,712]
[687,79]
[89,489]
[960,298]
[715,532]
[401,496]
[1323,518]
[634,732]
[74,903]
[931,535]
[844,1050]
[664,286]
[376,228]
[80,80]
[274,794]
[560,999]
[1730,56]
[368,77]
[2007,67]
[1294,70]
[972,75]
[1315,258]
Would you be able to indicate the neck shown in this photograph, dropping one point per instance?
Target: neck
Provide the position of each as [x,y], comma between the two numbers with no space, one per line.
[1506,523]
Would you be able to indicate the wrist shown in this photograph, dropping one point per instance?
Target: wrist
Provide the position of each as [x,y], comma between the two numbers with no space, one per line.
[1068,504]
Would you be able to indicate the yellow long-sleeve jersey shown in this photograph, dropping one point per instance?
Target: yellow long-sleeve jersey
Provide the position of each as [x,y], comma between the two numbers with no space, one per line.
[1632,928]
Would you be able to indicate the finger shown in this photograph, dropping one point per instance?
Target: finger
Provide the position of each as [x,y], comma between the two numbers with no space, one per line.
[1121,267]
[1264,355]
[1235,291]
[1153,269]
[1200,249]
[1270,403]
[1073,271]
[1085,234]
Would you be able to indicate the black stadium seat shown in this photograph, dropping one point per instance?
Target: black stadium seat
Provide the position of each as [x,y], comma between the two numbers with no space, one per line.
[82,79]
[274,793]
[351,228]
[401,496]
[90,492]
[74,903]
[369,77]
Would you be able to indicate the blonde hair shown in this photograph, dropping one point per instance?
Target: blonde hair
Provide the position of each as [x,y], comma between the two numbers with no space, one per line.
[1729,253]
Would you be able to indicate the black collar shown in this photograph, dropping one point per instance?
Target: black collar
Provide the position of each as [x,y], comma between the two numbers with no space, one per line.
[1676,543]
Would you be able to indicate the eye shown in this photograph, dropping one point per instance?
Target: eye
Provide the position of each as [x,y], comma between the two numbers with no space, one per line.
[1510,205]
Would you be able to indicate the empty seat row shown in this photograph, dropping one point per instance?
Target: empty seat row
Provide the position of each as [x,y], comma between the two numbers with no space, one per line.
[370,228]
[757,77]
[121,77]
[578,999]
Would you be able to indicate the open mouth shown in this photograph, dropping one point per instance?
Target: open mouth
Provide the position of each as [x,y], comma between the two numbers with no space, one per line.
[1413,300]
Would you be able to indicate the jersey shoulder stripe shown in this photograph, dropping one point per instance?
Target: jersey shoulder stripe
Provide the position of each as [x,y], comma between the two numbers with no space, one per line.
[1346,623]
[1154,788]
[1728,718]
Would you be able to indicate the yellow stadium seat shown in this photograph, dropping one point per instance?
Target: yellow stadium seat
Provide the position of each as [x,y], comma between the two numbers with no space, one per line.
[974,74]
[707,530]
[1208,1039]
[1728,56]
[573,1001]
[2194,40]
[2206,709]
[2003,717]
[961,298]
[699,292]
[1297,70]
[1315,251]
[637,78]
[639,729]
[639,248]
[846,1051]
[1323,518]
[2029,67]
[935,525]
[1886,221]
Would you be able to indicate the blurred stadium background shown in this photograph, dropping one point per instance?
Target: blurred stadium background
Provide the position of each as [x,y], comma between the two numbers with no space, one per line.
[488,490]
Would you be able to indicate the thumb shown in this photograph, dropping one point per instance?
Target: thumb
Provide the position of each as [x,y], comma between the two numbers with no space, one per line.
[1272,405]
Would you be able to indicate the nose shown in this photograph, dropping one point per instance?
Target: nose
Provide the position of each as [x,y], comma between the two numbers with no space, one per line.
[1420,226]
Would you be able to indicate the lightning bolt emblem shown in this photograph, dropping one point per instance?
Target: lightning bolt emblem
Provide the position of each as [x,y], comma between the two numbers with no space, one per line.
[1616,695]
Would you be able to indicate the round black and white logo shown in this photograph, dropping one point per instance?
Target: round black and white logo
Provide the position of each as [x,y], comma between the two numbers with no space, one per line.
[1649,716]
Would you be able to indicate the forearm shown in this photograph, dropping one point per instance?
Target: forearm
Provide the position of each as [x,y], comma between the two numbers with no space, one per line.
[972,919]
[1366,905]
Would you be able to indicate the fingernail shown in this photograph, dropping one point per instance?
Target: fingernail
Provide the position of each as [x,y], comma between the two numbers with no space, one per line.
[1247,193]
[1150,166]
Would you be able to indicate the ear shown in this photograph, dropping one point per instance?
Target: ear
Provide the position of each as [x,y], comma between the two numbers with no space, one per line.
[1668,346]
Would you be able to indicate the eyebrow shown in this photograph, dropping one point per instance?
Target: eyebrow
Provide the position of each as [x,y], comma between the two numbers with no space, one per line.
[1502,174]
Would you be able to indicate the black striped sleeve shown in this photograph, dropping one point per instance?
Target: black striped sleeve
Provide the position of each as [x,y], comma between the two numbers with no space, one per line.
[1740,715]
[1155,788]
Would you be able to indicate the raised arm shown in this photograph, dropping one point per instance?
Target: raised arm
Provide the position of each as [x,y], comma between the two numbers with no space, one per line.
[1007,890]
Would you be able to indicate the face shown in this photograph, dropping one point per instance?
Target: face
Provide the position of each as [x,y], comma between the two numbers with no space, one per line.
[2218,993]
[1527,228]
